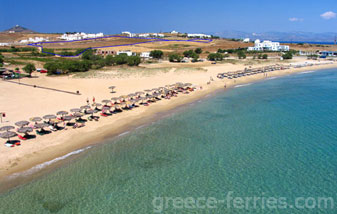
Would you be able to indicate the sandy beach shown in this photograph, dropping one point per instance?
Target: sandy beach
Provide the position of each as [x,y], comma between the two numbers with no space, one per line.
[22,102]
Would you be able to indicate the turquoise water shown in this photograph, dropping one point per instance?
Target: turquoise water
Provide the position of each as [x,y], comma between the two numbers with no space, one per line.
[274,138]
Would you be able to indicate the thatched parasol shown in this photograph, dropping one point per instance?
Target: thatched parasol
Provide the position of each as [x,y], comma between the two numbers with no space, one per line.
[85,107]
[35,119]
[8,135]
[67,118]
[40,125]
[78,114]
[62,113]
[112,88]
[106,101]
[90,111]
[25,129]
[55,121]
[22,123]
[49,117]
[75,110]
[7,128]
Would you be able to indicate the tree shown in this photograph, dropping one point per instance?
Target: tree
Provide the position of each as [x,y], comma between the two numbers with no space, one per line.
[175,57]
[287,55]
[29,68]
[195,57]
[120,59]
[215,57]
[198,50]
[109,60]
[133,60]
[241,55]
[157,54]
[88,54]
[265,56]
[51,67]
[1,59]
[188,53]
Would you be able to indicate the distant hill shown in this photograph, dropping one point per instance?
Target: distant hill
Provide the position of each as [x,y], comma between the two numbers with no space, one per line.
[282,36]
[19,29]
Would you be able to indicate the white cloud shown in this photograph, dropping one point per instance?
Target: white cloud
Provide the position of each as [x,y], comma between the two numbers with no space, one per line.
[328,15]
[294,19]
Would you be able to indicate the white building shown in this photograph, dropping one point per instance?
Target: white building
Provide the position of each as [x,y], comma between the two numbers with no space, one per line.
[174,32]
[246,40]
[198,35]
[4,44]
[127,52]
[268,46]
[157,35]
[128,34]
[78,36]
[145,55]
[34,40]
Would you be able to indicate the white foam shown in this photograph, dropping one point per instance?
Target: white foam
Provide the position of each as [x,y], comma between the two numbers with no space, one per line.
[271,78]
[140,126]
[307,72]
[48,163]
[124,133]
[238,86]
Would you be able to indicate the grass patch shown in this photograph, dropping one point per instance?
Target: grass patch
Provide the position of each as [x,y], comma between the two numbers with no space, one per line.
[121,72]
[190,69]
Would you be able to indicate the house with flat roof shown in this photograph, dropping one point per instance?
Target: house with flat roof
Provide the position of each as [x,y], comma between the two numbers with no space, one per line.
[268,46]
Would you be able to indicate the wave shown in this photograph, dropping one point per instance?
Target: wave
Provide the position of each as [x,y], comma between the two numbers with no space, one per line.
[271,78]
[307,72]
[238,86]
[48,163]
[124,133]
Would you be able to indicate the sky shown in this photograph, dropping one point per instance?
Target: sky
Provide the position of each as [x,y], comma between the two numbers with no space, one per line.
[198,16]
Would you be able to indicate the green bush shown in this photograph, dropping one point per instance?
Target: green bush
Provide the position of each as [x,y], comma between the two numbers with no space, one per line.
[241,55]
[188,53]
[29,68]
[215,57]
[287,55]
[198,50]
[157,54]
[133,60]
[175,57]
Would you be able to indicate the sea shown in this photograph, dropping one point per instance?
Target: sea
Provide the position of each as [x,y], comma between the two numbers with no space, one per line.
[265,147]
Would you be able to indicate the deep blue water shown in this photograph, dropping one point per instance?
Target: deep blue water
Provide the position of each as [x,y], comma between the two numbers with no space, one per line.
[271,139]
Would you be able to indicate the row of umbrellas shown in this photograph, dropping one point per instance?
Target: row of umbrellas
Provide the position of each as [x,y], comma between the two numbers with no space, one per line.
[77,112]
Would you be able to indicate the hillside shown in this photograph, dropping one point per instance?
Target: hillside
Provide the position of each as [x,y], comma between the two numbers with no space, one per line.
[19,29]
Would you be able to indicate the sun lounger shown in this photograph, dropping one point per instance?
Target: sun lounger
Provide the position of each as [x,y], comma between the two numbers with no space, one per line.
[22,138]
[103,114]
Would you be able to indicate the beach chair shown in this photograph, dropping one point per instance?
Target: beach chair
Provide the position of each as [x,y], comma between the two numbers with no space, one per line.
[22,138]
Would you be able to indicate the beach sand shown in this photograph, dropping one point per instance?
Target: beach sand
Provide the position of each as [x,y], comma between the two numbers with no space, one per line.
[23,102]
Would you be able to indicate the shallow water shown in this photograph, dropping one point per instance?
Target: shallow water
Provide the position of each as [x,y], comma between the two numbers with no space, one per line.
[274,138]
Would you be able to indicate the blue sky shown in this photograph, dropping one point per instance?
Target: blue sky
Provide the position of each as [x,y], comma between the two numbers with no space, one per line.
[157,15]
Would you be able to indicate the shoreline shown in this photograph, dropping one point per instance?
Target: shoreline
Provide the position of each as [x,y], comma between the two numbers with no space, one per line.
[96,133]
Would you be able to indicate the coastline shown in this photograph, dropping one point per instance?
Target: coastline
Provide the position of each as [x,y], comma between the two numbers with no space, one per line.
[94,133]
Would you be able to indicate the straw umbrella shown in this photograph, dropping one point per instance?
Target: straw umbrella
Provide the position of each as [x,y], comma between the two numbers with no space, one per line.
[85,107]
[62,113]
[7,128]
[96,106]
[112,88]
[106,102]
[7,135]
[49,117]
[40,125]
[35,119]
[22,123]
[25,130]
[75,110]
[68,118]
